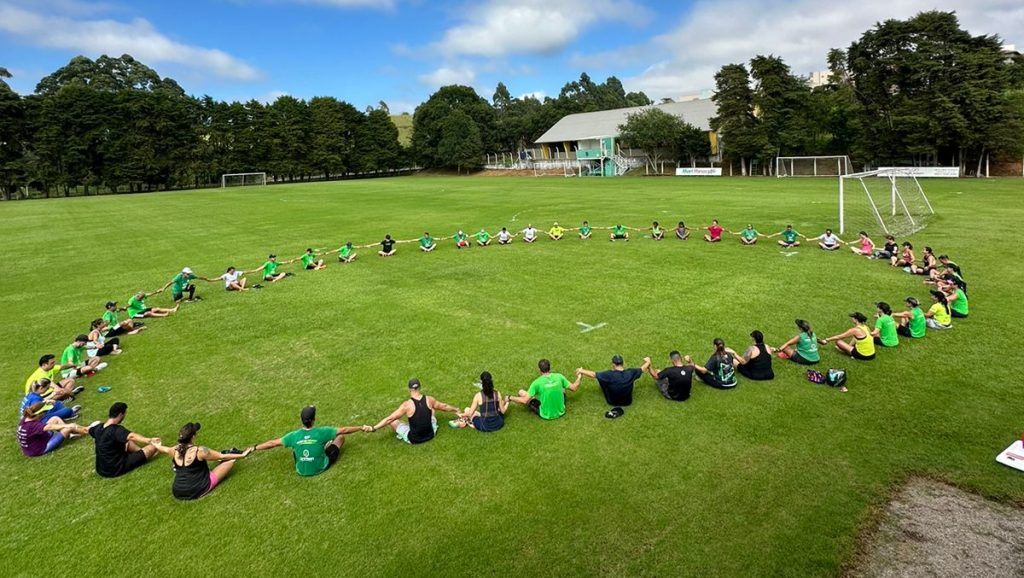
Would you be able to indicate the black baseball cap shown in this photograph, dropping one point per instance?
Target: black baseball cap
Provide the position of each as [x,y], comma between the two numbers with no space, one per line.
[111,304]
[414,383]
[617,359]
[308,414]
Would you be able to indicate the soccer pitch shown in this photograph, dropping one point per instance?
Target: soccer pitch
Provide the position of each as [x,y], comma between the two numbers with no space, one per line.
[772,478]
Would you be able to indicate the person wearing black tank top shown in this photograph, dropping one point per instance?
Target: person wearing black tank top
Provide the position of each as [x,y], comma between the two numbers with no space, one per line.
[487,412]
[419,410]
[193,477]
[756,362]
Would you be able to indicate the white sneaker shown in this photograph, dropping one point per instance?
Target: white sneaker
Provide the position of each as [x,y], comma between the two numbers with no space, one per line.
[101,366]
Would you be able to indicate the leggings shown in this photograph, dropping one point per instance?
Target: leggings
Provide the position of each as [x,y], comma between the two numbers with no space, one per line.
[115,331]
[108,347]
[56,439]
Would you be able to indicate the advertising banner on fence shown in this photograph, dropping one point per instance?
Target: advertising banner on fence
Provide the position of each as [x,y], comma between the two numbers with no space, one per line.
[699,172]
[920,172]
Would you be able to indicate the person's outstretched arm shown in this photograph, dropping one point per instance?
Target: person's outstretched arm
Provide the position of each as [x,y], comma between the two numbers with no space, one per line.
[348,430]
[440,405]
[581,372]
[837,337]
[394,415]
[208,454]
[648,367]
[575,386]
[269,444]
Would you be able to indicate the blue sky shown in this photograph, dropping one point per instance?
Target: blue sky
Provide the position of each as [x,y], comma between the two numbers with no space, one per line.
[400,51]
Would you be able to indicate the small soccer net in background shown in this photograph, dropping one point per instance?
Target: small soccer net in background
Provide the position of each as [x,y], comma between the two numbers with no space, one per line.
[889,201]
[822,166]
[243,179]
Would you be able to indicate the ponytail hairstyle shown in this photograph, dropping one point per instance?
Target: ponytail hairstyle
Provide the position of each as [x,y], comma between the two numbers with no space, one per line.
[859,317]
[928,250]
[487,385]
[940,297]
[185,435]
[719,346]
[96,323]
[804,326]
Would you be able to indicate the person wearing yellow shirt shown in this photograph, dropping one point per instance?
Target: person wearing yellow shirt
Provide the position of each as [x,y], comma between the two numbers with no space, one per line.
[938,315]
[856,341]
[60,388]
[556,232]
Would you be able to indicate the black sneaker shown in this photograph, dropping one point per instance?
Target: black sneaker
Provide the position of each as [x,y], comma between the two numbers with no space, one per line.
[614,413]
[289,274]
[197,298]
[232,451]
[75,412]
[77,390]
[257,286]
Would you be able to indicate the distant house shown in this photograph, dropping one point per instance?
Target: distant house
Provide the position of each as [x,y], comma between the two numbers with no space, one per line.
[590,137]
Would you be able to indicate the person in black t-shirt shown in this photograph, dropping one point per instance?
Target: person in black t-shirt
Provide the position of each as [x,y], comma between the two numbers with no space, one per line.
[675,381]
[116,449]
[756,362]
[387,247]
[617,383]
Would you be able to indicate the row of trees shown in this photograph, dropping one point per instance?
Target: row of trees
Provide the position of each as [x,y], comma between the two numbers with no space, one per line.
[921,90]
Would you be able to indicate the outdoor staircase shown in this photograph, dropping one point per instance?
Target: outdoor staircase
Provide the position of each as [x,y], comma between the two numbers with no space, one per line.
[621,165]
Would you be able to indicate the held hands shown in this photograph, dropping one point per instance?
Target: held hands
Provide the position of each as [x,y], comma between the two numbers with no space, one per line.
[368,429]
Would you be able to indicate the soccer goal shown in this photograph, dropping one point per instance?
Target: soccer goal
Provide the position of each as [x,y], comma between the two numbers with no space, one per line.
[822,166]
[890,199]
[243,179]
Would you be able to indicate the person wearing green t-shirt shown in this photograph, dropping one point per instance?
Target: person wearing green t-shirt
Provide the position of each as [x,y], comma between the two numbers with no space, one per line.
[461,240]
[790,238]
[314,448]
[310,261]
[269,269]
[546,396]
[803,347]
[427,243]
[556,232]
[181,284]
[483,238]
[748,236]
[956,298]
[347,253]
[912,321]
[657,233]
[137,308]
[618,232]
[885,333]
[73,360]
[585,230]
[117,326]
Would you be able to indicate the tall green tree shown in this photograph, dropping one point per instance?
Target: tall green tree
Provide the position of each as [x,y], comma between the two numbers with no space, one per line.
[654,131]
[782,101]
[334,125]
[14,137]
[741,136]
[288,128]
[429,118]
[377,142]
[460,145]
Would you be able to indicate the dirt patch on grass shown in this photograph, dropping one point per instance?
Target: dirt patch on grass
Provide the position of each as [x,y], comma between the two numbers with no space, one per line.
[934,529]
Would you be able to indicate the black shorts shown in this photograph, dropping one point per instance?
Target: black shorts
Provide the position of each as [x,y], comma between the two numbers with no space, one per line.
[534,405]
[311,266]
[333,452]
[115,331]
[622,236]
[797,358]
[858,355]
[957,314]
[130,462]
[904,331]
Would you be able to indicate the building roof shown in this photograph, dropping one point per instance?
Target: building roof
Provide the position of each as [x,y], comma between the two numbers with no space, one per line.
[590,125]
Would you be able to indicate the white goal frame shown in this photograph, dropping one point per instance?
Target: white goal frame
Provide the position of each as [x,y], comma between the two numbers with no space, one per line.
[841,162]
[262,181]
[895,196]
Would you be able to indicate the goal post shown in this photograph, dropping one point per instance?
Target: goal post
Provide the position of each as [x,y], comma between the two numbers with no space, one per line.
[891,199]
[812,166]
[243,179]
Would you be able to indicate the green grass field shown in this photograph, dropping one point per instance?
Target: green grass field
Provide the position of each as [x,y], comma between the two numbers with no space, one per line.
[771,478]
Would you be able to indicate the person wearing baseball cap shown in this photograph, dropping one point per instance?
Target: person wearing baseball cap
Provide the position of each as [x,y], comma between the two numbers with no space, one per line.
[137,307]
[617,382]
[421,424]
[116,326]
[314,448]
[270,274]
[181,284]
[73,362]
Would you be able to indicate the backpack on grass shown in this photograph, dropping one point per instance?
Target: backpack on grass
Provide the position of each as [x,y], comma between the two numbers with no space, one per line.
[815,376]
[835,377]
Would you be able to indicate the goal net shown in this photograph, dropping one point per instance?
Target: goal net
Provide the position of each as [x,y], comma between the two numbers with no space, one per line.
[243,179]
[890,201]
[822,166]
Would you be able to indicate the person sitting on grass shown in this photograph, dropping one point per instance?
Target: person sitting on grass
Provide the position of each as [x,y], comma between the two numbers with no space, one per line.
[928,263]
[585,230]
[117,449]
[486,413]
[855,341]
[483,238]
[314,448]
[939,316]
[906,257]
[546,396]
[310,261]
[657,233]
[714,232]
[193,477]
[829,241]
[912,322]
[181,284]
[234,280]
[461,240]
[99,344]
[137,308]
[885,332]
[74,362]
[556,232]
[529,233]
[756,361]
[427,243]
[419,410]
[619,232]
[944,267]
[504,237]
[387,247]
[790,238]
[347,253]
[58,387]
[802,348]
[617,382]
[675,381]
[748,235]
[955,296]
[720,370]
[889,248]
[270,274]
[682,233]
[865,247]
[38,437]
[117,327]
[52,407]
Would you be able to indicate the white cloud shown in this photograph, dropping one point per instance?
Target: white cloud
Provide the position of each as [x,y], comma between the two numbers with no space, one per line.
[538,94]
[497,27]
[445,75]
[800,31]
[136,37]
